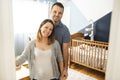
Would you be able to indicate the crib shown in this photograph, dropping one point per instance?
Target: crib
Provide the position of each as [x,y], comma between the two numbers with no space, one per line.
[91,54]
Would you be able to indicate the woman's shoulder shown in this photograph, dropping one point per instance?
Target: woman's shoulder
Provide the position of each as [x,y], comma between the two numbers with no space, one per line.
[31,43]
[56,42]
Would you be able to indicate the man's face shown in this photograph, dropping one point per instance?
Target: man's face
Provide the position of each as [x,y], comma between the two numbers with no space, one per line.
[56,13]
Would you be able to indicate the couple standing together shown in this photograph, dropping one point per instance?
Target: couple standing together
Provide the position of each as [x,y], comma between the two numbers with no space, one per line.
[47,55]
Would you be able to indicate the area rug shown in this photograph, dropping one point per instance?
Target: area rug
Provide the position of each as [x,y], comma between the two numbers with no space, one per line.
[75,75]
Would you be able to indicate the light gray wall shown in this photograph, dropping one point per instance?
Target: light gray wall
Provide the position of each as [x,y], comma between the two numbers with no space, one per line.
[113,66]
[77,19]
[94,9]
[7,55]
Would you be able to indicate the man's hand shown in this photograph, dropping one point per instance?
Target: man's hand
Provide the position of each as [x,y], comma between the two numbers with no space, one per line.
[65,74]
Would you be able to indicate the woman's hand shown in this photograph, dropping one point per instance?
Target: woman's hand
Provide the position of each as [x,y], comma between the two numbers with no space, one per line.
[17,65]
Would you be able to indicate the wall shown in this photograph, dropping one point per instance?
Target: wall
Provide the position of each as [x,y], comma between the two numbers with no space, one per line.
[77,19]
[94,9]
[99,12]
[82,11]
[113,66]
[102,28]
[7,56]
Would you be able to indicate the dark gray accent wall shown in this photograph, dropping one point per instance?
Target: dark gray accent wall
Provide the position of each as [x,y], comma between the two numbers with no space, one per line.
[101,28]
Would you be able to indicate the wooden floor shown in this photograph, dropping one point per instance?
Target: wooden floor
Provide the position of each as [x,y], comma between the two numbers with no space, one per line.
[96,74]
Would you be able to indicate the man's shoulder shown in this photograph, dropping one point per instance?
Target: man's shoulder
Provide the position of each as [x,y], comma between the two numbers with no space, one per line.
[64,27]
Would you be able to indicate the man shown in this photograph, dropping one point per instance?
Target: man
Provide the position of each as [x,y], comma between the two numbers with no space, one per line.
[62,33]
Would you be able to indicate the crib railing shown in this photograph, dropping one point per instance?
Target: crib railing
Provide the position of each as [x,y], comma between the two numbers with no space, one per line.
[92,54]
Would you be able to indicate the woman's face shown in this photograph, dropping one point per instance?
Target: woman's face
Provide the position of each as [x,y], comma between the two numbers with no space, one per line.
[46,29]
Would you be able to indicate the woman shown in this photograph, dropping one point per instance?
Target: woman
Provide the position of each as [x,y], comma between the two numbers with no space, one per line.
[43,54]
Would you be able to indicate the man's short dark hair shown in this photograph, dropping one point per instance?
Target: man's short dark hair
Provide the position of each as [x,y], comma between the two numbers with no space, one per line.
[58,4]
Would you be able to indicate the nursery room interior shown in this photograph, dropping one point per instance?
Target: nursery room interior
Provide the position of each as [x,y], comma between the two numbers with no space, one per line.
[92,36]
